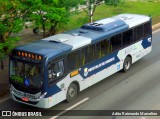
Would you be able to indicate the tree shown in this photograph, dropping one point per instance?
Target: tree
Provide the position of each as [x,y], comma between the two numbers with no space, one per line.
[113,2]
[91,7]
[49,17]
[14,13]
[11,14]
[69,4]
[92,4]
[46,14]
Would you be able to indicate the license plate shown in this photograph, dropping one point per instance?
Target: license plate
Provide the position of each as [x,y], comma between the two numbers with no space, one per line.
[25,99]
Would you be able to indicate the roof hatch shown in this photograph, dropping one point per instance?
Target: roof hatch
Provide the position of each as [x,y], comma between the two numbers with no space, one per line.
[60,40]
[104,25]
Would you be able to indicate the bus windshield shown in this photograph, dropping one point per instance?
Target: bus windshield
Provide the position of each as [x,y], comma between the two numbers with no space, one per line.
[27,74]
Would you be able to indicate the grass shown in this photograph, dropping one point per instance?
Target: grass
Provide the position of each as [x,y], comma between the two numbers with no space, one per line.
[137,7]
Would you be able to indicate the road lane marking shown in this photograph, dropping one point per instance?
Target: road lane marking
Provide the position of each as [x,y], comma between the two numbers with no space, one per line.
[143,117]
[73,106]
[4,98]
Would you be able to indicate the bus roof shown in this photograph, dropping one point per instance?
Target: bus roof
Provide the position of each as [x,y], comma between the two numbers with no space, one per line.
[87,34]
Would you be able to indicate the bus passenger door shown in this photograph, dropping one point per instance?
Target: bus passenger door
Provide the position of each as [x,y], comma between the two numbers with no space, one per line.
[56,80]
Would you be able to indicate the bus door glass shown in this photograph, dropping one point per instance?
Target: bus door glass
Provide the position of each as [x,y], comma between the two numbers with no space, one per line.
[55,71]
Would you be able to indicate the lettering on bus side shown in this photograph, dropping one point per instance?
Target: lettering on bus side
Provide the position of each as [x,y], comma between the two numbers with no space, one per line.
[87,70]
[130,49]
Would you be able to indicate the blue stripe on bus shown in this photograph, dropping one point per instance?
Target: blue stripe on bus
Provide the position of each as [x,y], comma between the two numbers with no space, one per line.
[146,42]
[99,65]
[52,90]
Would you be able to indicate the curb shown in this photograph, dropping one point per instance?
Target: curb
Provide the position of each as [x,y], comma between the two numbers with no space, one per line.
[156,26]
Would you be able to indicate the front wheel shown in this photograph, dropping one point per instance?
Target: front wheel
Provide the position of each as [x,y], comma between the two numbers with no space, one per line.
[71,92]
[127,64]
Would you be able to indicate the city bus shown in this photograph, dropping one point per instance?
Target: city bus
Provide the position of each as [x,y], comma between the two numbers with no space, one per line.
[48,71]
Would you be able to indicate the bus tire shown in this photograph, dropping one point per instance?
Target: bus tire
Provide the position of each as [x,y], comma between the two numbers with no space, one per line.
[127,64]
[72,92]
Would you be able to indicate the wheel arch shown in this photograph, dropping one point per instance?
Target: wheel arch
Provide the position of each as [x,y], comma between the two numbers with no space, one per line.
[129,55]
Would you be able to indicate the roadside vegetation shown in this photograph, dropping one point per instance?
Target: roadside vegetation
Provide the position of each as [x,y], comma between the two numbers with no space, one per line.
[147,8]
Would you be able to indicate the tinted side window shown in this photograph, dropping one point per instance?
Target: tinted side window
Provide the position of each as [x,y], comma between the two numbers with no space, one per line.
[89,53]
[115,42]
[138,33]
[98,50]
[127,38]
[105,47]
[83,58]
[74,60]
[55,70]
[147,29]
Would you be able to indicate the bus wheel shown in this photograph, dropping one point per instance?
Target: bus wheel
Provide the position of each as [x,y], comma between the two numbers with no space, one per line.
[71,92]
[127,64]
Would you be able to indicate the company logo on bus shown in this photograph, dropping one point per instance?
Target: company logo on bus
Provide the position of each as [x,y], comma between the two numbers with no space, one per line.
[85,71]
[149,39]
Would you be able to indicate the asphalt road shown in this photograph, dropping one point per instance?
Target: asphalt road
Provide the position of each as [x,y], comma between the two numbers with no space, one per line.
[138,89]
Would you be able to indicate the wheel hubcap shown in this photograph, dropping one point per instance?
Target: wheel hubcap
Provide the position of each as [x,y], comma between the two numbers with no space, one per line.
[127,65]
[71,92]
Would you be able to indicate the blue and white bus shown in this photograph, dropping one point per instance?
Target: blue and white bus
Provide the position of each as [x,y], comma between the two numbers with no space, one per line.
[49,71]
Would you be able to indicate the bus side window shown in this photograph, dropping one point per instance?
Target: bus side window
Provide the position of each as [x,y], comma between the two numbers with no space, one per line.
[147,29]
[127,38]
[55,70]
[98,50]
[89,53]
[116,42]
[74,60]
[105,47]
[138,33]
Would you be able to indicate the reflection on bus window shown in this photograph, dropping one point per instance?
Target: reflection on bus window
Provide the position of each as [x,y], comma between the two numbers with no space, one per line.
[127,38]
[34,73]
[55,70]
[74,60]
